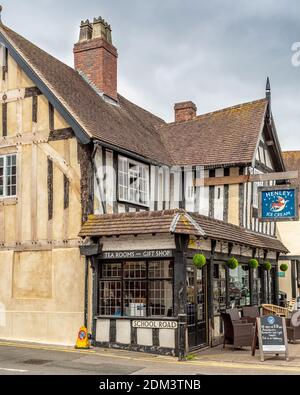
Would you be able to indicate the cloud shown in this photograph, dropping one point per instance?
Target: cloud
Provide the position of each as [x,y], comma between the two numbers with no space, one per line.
[217,54]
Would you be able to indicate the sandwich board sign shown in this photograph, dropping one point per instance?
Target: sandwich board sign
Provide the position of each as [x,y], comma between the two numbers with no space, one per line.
[278,203]
[270,331]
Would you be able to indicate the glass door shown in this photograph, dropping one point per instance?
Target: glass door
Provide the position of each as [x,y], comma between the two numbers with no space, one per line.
[196,306]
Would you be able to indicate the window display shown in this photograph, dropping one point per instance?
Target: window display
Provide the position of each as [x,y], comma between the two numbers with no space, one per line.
[238,287]
[136,289]
[219,288]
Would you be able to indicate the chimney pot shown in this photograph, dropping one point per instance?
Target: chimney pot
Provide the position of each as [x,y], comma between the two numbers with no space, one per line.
[85,31]
[96,57]
[185,111]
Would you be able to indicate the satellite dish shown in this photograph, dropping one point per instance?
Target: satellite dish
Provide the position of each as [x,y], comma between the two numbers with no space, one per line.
[295,320]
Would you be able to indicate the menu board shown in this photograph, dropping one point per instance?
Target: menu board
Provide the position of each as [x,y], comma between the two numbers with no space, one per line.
[271,335]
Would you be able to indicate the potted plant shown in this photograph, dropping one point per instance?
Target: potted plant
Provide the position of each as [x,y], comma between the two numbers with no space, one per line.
[253,263]
[232,263]
[199,260]
[267,266]
[284,267]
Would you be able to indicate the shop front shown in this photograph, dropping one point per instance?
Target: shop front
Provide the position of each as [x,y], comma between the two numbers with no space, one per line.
[147,293]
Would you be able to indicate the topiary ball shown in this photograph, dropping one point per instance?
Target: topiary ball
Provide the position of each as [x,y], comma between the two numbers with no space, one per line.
[199,260]
[267,266]
[284,267]
[232,263]
[253,263]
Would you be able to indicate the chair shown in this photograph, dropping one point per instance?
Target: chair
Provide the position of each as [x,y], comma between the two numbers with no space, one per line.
[292,304]
[271,309]
[293,327]
[250,313]
[235,315]
[236,333]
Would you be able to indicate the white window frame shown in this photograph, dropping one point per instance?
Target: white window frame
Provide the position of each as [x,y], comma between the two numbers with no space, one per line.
[5,175]
[125,173]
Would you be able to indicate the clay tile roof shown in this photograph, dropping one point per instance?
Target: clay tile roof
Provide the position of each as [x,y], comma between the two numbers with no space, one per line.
[126,126]
[223,137]
[175,222]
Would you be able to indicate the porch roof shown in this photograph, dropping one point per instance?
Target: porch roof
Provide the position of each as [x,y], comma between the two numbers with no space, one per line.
[176,222]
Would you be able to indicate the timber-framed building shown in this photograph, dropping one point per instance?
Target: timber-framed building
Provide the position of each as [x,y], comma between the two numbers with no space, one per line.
[103,205]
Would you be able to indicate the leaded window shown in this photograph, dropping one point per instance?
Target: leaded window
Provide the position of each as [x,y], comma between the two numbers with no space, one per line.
[133,180]
[136,289]
[8,175]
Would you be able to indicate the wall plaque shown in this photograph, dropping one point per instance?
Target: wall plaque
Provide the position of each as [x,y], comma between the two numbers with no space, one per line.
[151,324]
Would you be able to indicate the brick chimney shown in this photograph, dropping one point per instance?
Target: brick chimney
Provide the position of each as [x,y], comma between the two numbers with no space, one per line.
[95,56]
[185,111]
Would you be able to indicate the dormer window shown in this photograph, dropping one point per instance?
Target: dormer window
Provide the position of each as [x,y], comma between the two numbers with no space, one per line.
[8,175]
[133,180]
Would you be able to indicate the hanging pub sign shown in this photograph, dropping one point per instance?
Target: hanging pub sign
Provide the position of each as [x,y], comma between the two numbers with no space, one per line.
[270,333]
[278,203]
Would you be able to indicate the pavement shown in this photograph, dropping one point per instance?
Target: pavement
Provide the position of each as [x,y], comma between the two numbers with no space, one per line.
[18,358]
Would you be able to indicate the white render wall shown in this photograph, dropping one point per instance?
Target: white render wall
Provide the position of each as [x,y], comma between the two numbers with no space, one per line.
[141,242]
[165,193]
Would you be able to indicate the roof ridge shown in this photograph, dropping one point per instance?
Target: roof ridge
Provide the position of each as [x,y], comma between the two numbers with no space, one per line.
[200,116]
[4,27]
[153,213]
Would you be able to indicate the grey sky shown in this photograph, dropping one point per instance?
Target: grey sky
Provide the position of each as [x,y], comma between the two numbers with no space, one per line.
[216,53]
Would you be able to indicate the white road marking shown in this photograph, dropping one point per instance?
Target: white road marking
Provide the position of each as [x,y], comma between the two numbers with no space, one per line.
[14,370]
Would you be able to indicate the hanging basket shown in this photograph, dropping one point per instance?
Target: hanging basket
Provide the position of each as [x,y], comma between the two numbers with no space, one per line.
[232,263]
[284,267]
[267,266]
[253,263]
[199,260]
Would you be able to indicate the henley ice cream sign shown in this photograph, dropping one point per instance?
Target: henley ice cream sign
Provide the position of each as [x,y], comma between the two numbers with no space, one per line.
[279,203]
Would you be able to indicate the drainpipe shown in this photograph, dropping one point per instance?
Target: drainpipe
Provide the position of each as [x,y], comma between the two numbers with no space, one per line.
[86,291]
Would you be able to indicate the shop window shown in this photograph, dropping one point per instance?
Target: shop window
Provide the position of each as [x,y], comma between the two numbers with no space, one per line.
[133,180]
[135,298]
[219,288]
[270,274]
[8,175]
[238,290]
[136,289]
[112,270]
[110,298]
[257,287]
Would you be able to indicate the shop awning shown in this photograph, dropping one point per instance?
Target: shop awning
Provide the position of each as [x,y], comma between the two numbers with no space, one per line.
[175,222]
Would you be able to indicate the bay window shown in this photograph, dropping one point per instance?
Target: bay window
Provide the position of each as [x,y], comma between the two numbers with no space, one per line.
[133,180]
[8,175]
[136,289]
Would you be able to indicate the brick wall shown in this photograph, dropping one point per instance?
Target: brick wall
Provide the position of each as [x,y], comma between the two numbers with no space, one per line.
[97,60]
[185,111]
